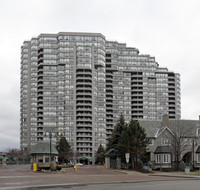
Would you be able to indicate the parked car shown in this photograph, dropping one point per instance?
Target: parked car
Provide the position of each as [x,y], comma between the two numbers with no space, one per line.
[70,164]
[63,164]
[79,164]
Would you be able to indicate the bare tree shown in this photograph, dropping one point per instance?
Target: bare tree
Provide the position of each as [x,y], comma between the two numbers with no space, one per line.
[17,154]
[182,139]
[76,155]
[14,153]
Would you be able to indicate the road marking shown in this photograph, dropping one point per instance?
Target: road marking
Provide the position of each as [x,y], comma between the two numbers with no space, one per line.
[4,177]
[30,186]
[14,183]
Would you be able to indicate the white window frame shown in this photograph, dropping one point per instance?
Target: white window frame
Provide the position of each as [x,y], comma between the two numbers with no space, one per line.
[198,158]
[165,141]
[163,158]
[198,132]
[166,158]
[158,158]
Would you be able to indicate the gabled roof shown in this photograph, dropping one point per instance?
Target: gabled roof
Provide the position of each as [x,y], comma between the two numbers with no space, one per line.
[43,148]
[162,130]
[192,125]
[112,152]
[198,149]
[162,149]
[154,128]
[151,127]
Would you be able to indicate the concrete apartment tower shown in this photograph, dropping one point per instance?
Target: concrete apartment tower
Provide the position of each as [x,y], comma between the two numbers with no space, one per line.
[78,84]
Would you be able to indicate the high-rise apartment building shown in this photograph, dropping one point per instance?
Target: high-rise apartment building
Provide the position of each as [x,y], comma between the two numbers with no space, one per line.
[78,84]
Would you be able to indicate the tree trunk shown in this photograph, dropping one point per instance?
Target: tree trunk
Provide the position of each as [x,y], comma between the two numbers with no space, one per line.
[132,161]
[136,162]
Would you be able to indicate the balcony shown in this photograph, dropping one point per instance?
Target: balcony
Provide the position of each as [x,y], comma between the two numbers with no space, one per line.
[83,139]
[84,129]
[40,134]
[84,103]
[82,92]
[82,124]
[84,145]
[108,91]
[83,98]
[84,114]
[85,151]
[40,129]
[84,118]
[83,108]
[84,135]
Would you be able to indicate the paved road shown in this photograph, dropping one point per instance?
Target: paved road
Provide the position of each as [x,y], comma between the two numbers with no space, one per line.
[152,185]
[18,177]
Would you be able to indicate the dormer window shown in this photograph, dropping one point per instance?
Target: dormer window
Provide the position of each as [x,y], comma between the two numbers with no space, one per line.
[165,141]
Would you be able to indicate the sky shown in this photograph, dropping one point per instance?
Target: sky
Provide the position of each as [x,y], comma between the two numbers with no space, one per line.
[168,30]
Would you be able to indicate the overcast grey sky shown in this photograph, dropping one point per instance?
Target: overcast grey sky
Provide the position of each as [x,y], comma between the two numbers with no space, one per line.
[168,30]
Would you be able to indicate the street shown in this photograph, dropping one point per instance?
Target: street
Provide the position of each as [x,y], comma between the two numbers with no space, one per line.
[152,185]
[91,177]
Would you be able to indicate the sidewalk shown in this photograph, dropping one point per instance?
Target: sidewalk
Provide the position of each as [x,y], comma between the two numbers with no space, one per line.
[182,174]
[176,174]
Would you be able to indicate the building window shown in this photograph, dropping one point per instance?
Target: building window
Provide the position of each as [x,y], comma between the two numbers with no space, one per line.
[198,158]
[165,141]
[40,159]
[198,132]
[166,158]
[158,158]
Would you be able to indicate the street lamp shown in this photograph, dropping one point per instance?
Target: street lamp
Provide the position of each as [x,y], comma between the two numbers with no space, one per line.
[50,134]
[193,154]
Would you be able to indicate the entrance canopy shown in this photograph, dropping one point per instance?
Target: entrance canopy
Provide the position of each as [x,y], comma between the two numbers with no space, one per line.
[83,158]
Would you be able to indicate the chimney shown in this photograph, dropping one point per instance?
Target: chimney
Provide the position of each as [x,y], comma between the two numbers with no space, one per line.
[165,120]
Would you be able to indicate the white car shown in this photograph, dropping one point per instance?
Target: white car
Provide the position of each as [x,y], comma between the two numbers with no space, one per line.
[79,164]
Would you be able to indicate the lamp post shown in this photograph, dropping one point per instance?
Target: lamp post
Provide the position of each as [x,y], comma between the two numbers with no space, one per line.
[193,154]
[50,134]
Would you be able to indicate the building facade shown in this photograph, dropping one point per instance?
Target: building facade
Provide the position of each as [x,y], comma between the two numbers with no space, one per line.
[78,84]
[174,144]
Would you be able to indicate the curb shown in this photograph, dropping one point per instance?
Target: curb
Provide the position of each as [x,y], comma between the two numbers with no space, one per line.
[176,176]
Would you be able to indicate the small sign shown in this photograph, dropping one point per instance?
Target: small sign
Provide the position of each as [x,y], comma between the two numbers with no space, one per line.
[127,157]
[187,170]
